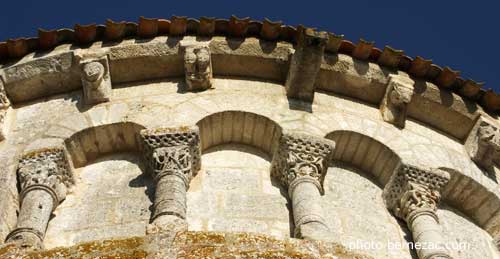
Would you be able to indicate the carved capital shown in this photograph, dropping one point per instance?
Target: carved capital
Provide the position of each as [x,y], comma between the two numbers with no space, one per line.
[175,160]
[197,65]
[301,157]
[483,144]
[397,97]
[162,145]
[412,191]
[96,80]
[45,169]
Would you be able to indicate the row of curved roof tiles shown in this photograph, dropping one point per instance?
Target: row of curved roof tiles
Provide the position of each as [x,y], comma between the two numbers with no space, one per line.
[83,35]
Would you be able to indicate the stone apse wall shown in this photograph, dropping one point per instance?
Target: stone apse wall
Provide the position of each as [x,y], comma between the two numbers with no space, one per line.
[181,147]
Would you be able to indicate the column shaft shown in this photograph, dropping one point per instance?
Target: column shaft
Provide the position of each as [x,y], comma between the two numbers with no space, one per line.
[170,197]
[426,231]
[307,210]
[33,218]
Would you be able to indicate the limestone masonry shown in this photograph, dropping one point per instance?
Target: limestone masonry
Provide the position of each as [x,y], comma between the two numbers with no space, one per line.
[216,138]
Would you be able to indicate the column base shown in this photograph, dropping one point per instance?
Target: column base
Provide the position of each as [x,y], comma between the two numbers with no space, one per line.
[166,223]
[313,231]
[26,239]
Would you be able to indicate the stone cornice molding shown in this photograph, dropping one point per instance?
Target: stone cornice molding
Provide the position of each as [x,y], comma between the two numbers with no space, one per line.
[60,72]
[45,169]
[236,27]
[301,157]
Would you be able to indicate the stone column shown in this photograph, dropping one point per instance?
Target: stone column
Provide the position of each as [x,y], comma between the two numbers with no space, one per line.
[44,176]
[173,157]
[300,163]
[413,194]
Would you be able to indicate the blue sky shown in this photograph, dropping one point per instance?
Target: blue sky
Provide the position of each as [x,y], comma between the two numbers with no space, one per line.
[459,34]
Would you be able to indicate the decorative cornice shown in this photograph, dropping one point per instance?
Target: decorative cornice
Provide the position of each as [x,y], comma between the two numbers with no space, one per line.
[245,27]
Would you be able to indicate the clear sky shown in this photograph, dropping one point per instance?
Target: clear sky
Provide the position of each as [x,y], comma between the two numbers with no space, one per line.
[458,34]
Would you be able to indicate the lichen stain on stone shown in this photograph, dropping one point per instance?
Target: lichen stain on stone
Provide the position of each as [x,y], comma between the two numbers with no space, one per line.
[131,248]
[193,245]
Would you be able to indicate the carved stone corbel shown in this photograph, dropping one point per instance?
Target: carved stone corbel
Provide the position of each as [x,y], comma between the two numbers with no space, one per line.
[197,65]
[4,106]
[305,64]
[397,97]
[44,176]
[300,163]
[96,80]
[413,194]
[483,144]
[173,157]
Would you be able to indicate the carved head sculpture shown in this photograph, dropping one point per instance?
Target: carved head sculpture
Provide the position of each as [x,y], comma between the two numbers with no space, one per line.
[197,63]
[400,95]
[487,133]
[93,72]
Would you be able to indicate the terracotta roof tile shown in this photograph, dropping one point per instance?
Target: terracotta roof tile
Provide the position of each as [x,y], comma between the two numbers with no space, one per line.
[245,27]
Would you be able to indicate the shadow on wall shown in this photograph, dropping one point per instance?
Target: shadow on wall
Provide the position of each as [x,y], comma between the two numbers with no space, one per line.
[239,127]
[87,145]
[365,153]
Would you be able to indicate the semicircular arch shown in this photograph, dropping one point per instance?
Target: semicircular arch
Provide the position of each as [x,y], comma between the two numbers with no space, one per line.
[87,145]
[239,127]
[365,153]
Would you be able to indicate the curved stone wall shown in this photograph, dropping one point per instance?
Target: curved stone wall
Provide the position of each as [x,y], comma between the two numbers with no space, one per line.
[243,124]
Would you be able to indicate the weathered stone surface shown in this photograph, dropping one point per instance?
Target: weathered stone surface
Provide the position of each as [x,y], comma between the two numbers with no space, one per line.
[188,244]
[96,80]
[42,77]
[44,177]
[150,60]
[397,97]
[413,195]
[241,120]
[305,64]
[197,65]
[300,164]
[483,145]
